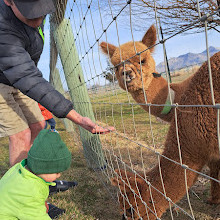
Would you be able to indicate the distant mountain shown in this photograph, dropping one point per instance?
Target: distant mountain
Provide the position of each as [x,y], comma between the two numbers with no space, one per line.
[188,59]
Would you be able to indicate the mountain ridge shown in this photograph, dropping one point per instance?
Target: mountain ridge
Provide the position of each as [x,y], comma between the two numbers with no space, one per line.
[188,59]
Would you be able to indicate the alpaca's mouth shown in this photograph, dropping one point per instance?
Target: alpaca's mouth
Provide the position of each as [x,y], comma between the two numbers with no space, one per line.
[128,78]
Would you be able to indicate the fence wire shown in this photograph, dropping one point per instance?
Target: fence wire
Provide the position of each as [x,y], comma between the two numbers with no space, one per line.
[155,166]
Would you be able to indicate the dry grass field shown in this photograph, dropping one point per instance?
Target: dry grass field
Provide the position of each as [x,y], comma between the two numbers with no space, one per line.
[89,200]
[94,198]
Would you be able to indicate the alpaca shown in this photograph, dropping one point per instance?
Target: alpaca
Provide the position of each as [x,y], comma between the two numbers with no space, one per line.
[197,126]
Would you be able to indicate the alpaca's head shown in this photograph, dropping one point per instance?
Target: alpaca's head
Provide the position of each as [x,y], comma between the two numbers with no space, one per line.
[133,190]
[131,64]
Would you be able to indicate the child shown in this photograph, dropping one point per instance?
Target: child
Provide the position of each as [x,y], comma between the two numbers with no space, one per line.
[25,187]
[48,117]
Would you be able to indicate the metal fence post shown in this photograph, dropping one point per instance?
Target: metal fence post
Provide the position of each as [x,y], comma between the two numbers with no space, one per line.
[65,44]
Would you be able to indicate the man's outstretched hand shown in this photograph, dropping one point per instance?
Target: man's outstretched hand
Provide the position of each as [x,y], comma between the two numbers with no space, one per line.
[87,123]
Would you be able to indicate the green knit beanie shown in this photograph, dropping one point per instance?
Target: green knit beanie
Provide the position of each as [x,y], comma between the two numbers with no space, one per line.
[48,154]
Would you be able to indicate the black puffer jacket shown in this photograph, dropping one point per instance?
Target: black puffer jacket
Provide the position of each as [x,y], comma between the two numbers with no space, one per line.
[20,50]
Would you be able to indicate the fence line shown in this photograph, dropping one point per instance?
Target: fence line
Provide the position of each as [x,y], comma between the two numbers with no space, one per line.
[77,29]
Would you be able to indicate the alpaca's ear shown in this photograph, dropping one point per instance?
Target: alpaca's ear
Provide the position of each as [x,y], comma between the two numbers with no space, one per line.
[137,185]
[119,183]
[124,174]
[108,48]
[150,37]
[114,181]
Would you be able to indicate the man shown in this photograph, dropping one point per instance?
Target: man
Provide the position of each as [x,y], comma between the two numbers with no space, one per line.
[21,82]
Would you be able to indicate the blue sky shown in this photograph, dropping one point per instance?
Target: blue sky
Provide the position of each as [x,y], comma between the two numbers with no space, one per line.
[180,44]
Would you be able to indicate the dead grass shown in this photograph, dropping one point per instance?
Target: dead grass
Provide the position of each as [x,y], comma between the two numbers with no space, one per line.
[89,200]
[182,74]
[94,198]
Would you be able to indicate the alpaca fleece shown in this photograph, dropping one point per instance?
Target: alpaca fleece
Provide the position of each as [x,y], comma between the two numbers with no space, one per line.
[197,127]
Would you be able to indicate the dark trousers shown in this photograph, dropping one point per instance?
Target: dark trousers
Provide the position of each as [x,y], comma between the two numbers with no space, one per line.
[51,122]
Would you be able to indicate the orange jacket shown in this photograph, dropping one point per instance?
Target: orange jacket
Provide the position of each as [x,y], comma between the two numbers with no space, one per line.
[47,115]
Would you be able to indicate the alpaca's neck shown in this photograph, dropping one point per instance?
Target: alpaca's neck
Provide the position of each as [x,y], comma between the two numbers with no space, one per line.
[173,176]
[157,93]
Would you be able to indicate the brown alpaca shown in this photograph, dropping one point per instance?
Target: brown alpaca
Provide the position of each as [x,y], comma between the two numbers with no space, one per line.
[197,126]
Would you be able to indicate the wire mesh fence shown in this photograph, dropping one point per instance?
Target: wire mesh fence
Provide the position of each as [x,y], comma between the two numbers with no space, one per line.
[165,150]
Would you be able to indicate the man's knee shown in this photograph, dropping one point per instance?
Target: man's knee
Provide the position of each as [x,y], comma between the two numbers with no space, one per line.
[19,145]
[23,136]
[37,127]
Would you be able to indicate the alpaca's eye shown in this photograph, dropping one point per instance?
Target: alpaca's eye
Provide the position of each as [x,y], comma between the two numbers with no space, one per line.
[116,68]
[143,61]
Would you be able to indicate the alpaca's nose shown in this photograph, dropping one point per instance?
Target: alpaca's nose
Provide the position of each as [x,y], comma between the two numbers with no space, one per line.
[126,72]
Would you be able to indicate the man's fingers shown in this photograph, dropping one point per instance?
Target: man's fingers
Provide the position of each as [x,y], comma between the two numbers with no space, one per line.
[89,125]
[100,130]
[110,128]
